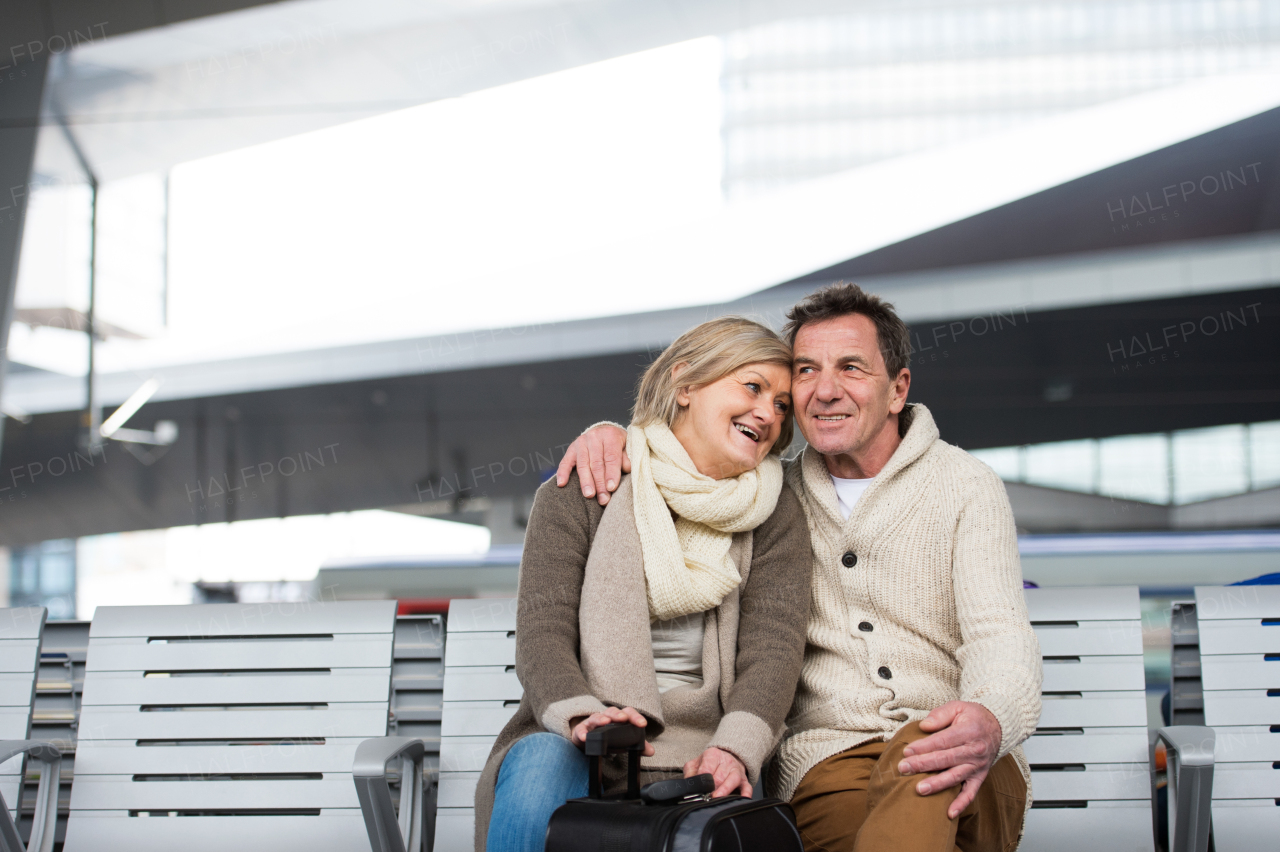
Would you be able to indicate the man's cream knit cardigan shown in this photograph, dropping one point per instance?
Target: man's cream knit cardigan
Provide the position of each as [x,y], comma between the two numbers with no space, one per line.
[931,611]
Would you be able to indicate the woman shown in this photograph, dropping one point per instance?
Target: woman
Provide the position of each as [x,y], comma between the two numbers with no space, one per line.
[680,608]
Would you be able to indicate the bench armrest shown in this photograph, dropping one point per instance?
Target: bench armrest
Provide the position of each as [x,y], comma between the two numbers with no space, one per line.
[1189,758]
[370,775]
[46,814]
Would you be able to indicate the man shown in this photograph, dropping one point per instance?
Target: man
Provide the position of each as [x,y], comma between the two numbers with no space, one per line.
[920,660]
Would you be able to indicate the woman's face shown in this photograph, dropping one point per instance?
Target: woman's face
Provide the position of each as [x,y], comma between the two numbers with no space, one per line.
[729,425]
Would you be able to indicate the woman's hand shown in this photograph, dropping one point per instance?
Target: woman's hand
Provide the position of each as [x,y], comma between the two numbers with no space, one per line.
[609,716]
[730,774]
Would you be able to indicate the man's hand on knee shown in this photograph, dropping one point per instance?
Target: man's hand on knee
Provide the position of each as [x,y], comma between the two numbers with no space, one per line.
[963,743]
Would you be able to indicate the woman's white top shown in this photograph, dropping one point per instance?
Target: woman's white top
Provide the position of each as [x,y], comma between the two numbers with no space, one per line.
[677,651]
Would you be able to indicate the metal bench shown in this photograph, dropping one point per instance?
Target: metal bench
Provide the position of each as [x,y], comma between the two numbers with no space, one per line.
[64,647]
[1186,692]
[1089,754]
[417,675]
[1090,757]
[481,692]
[240,725]
[1239,656]
[20,632]
[417,690]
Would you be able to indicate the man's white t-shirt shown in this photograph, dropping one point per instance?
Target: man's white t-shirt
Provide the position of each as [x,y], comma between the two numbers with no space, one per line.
[848,491]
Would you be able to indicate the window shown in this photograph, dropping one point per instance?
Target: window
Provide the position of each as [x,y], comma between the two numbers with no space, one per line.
[44,575]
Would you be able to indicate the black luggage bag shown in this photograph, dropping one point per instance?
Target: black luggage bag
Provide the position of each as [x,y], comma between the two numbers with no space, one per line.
[669,816]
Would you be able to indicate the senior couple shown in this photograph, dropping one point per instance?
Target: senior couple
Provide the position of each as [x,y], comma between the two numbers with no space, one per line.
[856,614]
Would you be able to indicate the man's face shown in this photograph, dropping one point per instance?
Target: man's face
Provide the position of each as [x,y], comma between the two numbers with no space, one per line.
[842,390]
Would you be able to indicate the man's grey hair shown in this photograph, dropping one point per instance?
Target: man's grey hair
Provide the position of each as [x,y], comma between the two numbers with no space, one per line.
[844,298]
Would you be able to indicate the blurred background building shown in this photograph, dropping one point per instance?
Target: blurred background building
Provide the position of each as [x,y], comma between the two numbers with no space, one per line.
[309,297]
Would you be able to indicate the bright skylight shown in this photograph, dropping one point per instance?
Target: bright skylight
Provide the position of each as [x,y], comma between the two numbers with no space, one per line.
[373,230]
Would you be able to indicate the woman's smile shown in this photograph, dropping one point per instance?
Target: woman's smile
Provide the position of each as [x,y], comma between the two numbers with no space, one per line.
[728,426]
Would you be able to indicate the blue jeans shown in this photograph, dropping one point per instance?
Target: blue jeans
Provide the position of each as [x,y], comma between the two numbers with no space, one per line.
[539,774]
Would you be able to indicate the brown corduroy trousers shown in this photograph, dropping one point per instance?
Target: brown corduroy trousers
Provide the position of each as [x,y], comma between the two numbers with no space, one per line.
[857,801]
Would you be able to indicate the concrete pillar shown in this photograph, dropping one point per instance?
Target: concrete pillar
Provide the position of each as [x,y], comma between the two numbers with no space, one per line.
[20,96]
[506,519]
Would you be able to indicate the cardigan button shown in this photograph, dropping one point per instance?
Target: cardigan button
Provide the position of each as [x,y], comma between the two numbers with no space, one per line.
[884,672]
[849,560]
[865,626]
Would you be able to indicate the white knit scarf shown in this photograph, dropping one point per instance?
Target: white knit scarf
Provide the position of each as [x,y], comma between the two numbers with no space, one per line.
[687,566]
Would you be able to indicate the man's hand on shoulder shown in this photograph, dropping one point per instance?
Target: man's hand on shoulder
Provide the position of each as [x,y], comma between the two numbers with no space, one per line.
[600,455]
[963,743]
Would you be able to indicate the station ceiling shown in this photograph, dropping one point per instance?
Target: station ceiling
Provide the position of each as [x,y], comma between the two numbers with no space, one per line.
[450,437]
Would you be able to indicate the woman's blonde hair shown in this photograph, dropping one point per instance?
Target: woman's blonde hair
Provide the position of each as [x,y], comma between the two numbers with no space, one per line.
[710,352]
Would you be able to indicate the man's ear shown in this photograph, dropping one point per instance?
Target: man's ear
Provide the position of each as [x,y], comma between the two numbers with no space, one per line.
[898,389]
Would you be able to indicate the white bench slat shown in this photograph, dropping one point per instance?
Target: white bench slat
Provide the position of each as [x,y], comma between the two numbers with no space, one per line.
[13,722]
[455,829]
[1088,748]
[21,622]
[15,692]
[137,654]
[1095,638]
[333,829]
[475,718]
[112,723]
[1125,825]
[481,649]
[1094,674]
[1239,671]
[1240,707]
[1245,744]
[1239,636]
[464,754]
[458,789]
[121,792]
[481,615]
[1246,781]
[265,619]
[1217,603]
[481,683]
[344,685]
[1084,603]
[1245,825]
[332,756]
[16,655]
[1112,781]
[1119,709]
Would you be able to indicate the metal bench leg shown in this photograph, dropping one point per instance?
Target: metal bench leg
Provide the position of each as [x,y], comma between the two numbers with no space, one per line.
[386,834]
[46,815]
[1190,772]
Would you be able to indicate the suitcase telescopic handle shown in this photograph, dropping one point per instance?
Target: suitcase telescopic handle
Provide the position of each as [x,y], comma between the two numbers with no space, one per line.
[611,738]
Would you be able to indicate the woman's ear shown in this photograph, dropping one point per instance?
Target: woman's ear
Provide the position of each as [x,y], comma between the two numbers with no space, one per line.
[682,394]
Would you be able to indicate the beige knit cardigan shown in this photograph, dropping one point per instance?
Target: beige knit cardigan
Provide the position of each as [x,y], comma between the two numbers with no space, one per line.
[937,580]
[583,637]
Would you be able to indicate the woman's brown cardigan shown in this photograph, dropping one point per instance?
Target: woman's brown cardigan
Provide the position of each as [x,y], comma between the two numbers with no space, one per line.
[752,651]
